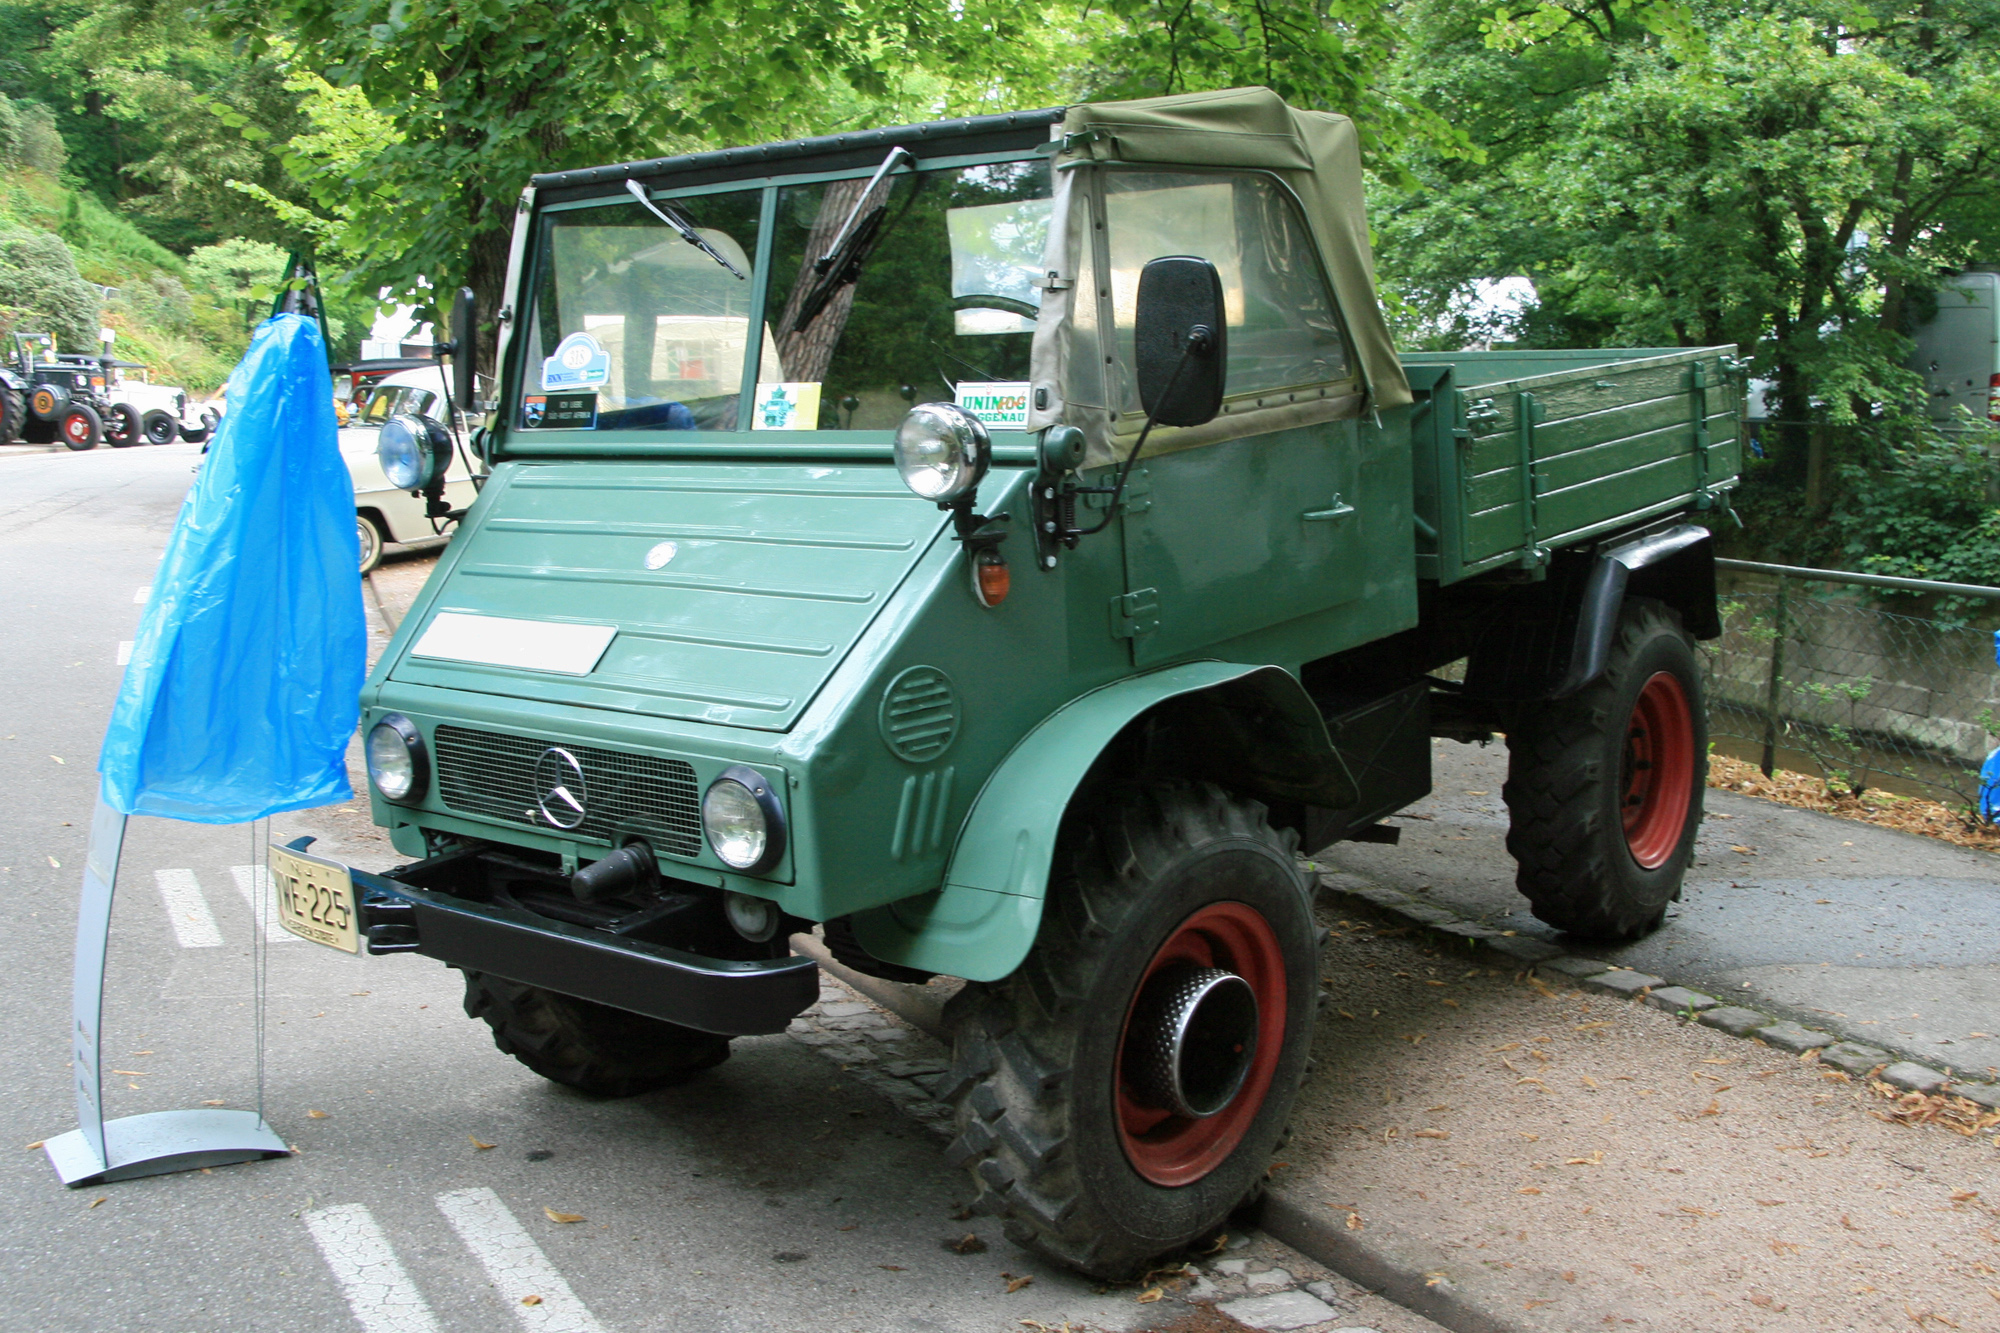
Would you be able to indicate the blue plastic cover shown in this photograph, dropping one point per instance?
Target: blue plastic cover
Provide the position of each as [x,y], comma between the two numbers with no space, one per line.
[245,681]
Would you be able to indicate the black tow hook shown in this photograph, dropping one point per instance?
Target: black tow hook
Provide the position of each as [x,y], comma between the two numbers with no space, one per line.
[630,867]
[389,924]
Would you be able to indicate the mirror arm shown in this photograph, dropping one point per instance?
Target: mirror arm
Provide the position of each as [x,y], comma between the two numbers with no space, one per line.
[1200,342]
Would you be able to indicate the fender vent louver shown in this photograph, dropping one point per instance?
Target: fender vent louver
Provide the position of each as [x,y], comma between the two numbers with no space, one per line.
[919,714]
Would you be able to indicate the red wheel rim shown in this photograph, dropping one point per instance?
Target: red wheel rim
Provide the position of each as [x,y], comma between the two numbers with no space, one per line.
[1658,770]
[1170,1149]
[76,428]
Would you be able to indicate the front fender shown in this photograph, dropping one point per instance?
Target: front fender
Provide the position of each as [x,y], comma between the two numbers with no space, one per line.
[982,922]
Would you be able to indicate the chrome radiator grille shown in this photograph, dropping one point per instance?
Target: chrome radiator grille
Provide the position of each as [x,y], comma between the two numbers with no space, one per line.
[487,773]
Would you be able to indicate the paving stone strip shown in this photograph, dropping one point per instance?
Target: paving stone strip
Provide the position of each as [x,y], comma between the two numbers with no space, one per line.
[1856,1059]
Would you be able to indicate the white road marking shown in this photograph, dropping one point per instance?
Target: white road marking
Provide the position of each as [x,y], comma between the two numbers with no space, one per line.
[187,910]
[141,595]
[125,653]
[380,1293]
[249,881]
[515,1263]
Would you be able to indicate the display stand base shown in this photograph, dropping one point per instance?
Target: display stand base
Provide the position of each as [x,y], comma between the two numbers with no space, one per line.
[163,1142]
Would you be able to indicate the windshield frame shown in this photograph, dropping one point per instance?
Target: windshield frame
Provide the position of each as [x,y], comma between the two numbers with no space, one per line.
[512,441]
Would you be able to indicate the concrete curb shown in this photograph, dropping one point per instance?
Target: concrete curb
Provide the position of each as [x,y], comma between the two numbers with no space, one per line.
[1368,1264]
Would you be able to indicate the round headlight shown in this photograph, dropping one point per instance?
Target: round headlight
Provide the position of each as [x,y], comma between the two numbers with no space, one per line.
[407,452]
[942,451]
[743,821]
[397,762]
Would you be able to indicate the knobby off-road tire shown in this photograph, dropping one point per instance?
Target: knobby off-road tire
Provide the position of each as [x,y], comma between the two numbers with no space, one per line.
[13,415]
[1604,788]
[1182,875]
[602,1051]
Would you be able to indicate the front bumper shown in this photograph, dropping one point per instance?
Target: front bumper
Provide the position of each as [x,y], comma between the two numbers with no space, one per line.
[725,996]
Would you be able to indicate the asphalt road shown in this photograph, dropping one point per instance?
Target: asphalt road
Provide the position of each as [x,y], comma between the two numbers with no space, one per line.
[773,1193]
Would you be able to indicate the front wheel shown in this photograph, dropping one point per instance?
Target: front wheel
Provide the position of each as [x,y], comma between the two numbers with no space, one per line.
[79,427]
[589,1046]
[159,427]
[1604,788]
[122,427]
[1124,1089]
[371,541]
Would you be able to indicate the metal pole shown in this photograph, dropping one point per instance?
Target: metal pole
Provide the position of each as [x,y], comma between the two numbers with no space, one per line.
[1771,686]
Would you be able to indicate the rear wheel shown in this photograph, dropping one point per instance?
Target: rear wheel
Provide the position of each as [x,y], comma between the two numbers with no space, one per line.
[159,427]
[122,427]
[592,1047]
[13,414]
[1123,1090]
[1605,787]
[79,427]
[371,541]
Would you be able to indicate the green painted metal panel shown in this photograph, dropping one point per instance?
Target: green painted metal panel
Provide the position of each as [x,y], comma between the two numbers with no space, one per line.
[771,574]
[982,921]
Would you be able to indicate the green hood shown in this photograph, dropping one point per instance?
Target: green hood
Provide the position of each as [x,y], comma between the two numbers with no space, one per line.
[762,577]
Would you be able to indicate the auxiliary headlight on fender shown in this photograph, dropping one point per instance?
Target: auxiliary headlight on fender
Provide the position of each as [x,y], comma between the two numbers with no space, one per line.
[398,763]
[413,451]
[743,820]
[942,451]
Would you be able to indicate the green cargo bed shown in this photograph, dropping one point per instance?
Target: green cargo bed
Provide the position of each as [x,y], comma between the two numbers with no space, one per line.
[1521,453]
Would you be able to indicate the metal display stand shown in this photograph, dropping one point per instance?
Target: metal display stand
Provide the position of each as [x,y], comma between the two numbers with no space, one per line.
[98,1151]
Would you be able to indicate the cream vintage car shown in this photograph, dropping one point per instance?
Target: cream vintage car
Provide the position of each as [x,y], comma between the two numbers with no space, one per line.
[383,514]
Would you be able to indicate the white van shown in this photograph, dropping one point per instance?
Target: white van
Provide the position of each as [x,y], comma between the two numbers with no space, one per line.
[1958,351]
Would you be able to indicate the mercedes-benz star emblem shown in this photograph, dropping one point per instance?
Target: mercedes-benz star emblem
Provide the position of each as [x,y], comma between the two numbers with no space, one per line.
[559,788]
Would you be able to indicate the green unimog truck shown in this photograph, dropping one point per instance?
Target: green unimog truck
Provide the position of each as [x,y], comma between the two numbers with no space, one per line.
[1006,544]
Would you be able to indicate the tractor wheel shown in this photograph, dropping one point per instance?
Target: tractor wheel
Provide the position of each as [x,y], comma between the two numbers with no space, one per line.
[79,427]
[1604,787]
[370,532]
[1124,1089]
[592,1047]
[159,427]
[121,426]
[13,415]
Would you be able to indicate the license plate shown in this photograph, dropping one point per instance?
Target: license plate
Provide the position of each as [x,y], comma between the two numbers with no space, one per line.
[315,899]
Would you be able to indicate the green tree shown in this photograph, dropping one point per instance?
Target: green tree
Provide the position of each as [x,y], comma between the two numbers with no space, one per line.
[241,273]
[41,291]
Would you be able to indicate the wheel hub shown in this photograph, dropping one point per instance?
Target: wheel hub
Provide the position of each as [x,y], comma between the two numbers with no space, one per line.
[1191,1041]
[1200,1044]
[1658,770]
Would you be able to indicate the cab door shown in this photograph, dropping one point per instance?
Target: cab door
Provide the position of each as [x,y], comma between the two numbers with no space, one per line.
[1254,519]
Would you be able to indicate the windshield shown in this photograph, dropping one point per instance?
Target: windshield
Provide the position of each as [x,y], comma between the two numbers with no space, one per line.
[929,292]
[635,328]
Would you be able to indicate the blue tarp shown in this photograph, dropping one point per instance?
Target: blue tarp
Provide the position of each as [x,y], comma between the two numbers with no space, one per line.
[244,685]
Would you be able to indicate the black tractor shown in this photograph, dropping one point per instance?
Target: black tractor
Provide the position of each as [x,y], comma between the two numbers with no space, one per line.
[50,396]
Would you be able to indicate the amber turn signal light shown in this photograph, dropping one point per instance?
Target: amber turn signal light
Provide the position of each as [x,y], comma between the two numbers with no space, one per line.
[991,580]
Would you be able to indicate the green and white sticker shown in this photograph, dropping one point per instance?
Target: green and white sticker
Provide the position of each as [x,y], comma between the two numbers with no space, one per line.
[1001,403]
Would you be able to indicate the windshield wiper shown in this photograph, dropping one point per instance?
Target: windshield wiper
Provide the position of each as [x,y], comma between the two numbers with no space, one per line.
[681,225]
[841,264]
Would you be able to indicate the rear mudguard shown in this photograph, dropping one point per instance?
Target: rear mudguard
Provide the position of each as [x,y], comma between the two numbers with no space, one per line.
[982,922]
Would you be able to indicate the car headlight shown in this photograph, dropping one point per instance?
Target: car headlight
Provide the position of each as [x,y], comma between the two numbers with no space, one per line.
[398,764]
[942,451]
[743,820]
[412,452]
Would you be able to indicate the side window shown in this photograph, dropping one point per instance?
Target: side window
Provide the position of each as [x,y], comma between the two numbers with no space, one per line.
[1283,329]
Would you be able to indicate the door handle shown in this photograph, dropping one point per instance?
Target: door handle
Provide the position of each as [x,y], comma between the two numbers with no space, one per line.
[1339,511]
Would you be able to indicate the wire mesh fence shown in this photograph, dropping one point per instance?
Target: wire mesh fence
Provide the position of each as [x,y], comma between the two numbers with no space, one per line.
[1814,674]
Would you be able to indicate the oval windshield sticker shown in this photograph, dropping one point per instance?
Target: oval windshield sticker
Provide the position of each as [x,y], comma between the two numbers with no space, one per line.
[580,362]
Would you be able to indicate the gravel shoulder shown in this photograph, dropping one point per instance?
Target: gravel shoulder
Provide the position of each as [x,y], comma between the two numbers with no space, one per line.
[1566,1160]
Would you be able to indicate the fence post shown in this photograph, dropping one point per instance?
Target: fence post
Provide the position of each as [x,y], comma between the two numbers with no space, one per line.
[1771,686]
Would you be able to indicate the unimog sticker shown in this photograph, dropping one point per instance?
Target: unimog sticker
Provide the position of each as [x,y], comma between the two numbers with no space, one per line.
[580,362]
[1002,403]
[559,411]
[787,406]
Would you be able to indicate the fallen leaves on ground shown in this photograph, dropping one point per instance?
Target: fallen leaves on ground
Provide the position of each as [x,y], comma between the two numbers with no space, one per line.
[1149,1295]
[969,1243]
[1910,814]
[555,1216]
[1014,1283]
[477,1143]
[310,1115]
[531,1300]
[1915,1108]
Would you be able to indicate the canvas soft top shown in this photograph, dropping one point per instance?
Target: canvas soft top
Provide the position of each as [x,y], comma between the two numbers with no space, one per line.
[1317,153]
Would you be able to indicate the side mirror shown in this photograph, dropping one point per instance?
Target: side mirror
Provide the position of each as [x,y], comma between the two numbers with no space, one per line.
[1180,341]
[465,350]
